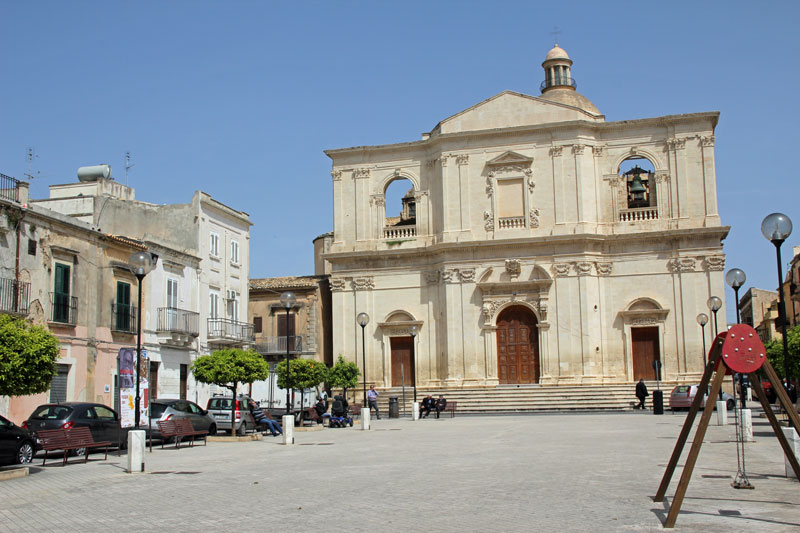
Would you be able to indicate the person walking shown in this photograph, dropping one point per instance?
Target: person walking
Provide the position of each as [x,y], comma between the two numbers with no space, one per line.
[372,400]
[641,393]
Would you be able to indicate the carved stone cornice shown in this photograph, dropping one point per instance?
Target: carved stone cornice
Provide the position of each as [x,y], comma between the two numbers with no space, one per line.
[336,175]
[361,173]
[377,199]
[645,322]
[491,306]
[676,144]
[430,163]
[338,284]
[714,263]
[555,151]
[662,177]
[443,159]
[363,283]
[681,264]
[707,141]
[561,270]
[466,275]
[462,159]
[583,268]
[603,269]
[431,277]
[577,149]
[599,150]
[449,275]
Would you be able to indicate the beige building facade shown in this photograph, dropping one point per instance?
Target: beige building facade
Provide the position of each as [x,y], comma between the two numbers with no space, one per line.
[537,243]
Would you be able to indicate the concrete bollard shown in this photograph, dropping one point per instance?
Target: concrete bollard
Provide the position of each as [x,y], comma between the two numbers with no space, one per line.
[749,394]
[288,429]
[794,444]
[722,414]
[365,419]
[415,411]
[747,425]
[136,442]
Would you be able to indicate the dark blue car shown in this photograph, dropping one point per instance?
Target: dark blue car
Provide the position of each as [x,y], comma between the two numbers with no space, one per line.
[17,445]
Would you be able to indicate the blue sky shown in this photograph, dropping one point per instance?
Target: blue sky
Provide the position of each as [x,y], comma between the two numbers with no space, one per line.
[239,99]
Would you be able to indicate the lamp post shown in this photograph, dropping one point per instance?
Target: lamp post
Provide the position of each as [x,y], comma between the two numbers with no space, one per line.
[776,228]
[141,263]
[714,304]
[735,278]
[287,301]
[363,320]
[414,331]
[702,319]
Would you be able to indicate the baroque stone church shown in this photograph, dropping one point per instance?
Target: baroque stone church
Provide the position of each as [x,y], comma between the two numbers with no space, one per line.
[537,243]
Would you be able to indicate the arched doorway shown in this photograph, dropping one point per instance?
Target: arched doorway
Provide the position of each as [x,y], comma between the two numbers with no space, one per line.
[517,346]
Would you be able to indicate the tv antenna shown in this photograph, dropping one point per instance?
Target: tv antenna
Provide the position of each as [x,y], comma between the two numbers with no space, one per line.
[30,155]
[128,166]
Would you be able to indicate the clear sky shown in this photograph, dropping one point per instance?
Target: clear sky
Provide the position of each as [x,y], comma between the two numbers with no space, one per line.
[239,99]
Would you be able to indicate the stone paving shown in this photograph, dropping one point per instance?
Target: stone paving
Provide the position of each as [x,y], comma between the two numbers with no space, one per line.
[558,472]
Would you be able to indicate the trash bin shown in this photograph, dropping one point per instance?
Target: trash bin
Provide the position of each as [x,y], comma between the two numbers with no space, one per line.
[658,402]
[394,407]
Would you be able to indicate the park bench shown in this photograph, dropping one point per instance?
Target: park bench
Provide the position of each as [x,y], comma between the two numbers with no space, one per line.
[355,409]
[310,413]
[450,407]
[179,428]
[68,440]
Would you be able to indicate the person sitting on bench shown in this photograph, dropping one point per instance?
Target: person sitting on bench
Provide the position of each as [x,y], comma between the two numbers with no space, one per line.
[425,407]
[262,420]
[441,403]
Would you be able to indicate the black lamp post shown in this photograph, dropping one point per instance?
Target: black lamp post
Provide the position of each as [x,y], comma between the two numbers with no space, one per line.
[735,278]
[776,228]
[363,320]
[141,263]
[414,331]
[702,319]
[287,300]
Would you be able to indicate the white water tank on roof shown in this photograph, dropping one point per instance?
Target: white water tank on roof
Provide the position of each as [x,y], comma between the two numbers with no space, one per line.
[94,173]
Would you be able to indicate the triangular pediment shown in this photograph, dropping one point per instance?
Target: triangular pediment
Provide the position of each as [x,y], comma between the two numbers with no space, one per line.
[510,109]
[510,158]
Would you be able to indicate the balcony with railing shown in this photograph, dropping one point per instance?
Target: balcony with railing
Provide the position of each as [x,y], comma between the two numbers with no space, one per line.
[64,308]
[123,318]
[277,345]
[227,331]
[178,327]
[399,232]
[638,214]
[511,222]
[14,296]
[9,188]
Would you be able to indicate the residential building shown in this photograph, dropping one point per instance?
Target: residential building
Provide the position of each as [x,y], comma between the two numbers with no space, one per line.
[755,310]
[536,243]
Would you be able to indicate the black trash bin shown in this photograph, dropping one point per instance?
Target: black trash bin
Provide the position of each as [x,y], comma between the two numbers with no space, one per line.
[658,402]
[394,407]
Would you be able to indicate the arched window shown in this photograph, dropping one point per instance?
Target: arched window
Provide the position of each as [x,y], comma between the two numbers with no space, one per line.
[401,209]
[638,177]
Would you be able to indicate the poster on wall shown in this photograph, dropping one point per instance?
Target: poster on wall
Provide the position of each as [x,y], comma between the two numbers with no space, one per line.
[127,371]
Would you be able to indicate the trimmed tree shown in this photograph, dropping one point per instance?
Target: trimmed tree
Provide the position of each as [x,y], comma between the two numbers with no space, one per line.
[343,374]
[28,356]
[226,368]
[775,353]
[305,374]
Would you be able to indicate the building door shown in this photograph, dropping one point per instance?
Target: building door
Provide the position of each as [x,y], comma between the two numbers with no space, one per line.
[61,294]
[517,346]
[645,349]
[123,311]
[286,332]
[402,361]
[153,379]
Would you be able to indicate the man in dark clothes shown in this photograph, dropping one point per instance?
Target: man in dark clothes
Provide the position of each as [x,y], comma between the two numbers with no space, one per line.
[641,393]
[441,403]
[425,407]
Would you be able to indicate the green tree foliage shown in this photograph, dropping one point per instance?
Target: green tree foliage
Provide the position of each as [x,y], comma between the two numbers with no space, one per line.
[344,374]
[229,367]
[28,357]
[775,353]
[304,374]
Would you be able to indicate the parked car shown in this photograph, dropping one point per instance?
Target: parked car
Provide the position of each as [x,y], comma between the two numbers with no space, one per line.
[770,393]
[219,407]
[102,421]
[17,445]
[682,397]
[174,409]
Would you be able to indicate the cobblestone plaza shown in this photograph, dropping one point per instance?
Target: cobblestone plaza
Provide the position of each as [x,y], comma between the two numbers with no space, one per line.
[557,472]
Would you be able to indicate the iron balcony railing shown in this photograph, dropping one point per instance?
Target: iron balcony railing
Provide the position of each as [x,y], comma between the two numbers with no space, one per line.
[225,330]
[277,345]
[123,318]
[64,308]
[14,296]
[9,188]
[558,81]
[174,320]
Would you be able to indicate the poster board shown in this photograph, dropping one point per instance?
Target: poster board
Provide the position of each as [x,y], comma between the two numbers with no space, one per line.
[127,372]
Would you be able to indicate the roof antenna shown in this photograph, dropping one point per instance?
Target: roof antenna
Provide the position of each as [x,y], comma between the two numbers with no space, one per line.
[30,156]
[128,166]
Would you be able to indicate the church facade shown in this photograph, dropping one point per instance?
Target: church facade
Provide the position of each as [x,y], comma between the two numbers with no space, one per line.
[537,244]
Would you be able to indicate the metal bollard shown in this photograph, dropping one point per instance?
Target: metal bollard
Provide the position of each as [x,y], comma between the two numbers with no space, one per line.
[365,419]
[136,442]
[288,429]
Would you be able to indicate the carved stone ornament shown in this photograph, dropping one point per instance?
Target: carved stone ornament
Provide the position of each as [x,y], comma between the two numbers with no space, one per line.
[338,284]
[707,141]
[714,262]
[360,173]
[634,150]
[599,150]
[488,220]
[364,283]
[681,264]
[577,149]
[467,275]
[675,144]
[377,199]
[431,277]
[561,270]
[534,218]
[583,268]
[336,175]
[613,180]
[513,267]
[644,322]
[419,195]
[430,163]
[662,177]
[462,159]
[603,269]
[449,275]
[443,159]
[490,184]
[531,183]
[555,151]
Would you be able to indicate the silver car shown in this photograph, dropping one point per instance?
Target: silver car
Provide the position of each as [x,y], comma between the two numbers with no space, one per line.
[173,409]
[219,407]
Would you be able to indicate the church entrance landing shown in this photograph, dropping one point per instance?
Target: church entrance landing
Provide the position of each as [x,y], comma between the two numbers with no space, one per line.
[517,346]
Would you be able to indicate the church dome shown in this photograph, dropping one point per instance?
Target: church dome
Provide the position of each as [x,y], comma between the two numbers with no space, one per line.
[556,53]
[572,98]
[559,85]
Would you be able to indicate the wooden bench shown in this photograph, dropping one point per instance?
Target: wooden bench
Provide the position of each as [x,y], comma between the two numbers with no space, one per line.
[67,440]
[355,409]
[310,413]
[451,407]
[179,428]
